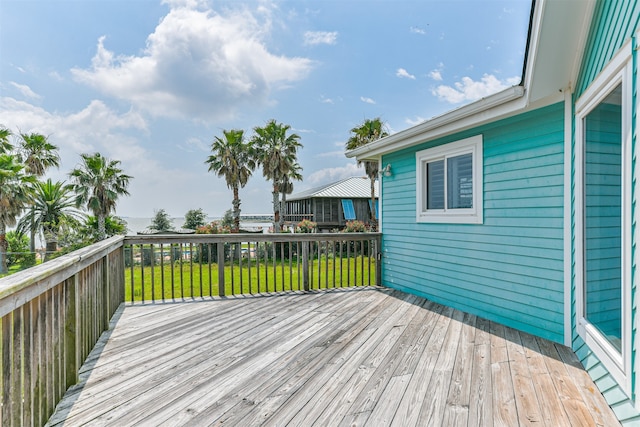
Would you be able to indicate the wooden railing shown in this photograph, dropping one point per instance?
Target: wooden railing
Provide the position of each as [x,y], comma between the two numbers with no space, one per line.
[162,267]
[52,315]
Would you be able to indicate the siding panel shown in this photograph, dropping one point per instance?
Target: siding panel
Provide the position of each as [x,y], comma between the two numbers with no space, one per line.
[508,269]
[614,23]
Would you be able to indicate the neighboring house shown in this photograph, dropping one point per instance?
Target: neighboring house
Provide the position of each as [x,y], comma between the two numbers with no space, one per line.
[332,205]
[523,206]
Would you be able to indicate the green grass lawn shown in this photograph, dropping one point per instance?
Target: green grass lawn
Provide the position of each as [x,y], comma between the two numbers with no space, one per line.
[196,280]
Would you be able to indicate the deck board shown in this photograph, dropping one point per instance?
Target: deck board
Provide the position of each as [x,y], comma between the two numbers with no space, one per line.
[366,356]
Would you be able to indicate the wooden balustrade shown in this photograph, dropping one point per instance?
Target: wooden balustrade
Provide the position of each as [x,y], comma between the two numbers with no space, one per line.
[161,267]
[51,316]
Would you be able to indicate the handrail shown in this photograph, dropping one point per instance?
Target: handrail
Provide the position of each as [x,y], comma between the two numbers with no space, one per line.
[161,267]
[52,315]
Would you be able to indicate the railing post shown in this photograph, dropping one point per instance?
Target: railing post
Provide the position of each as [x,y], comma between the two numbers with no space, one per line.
[305,265]
[378,258]
[220,246]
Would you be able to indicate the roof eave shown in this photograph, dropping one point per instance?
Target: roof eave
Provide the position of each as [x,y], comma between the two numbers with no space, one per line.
[417,133]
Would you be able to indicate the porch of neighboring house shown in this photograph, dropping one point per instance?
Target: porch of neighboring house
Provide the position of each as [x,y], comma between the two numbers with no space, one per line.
[354,356]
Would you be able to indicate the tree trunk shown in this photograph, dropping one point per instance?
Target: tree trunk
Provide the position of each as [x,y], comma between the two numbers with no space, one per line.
[3,249]
[236,210]
[276,208]
[32,232]
[102,231]
[283,206]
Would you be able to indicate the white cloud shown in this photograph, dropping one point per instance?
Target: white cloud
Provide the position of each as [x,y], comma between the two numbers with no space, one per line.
[417,30]
[320,37]
[469,90]
[367,100]
[97,128]
[436,75]
[402,73]
[326,100]
[327,175]
[25,90]
[197,64]
[416,121]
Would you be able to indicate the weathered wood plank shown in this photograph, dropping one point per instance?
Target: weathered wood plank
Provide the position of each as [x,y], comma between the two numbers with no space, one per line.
[480,393]
[551,409]
[567,392]
[529,411]
[408,411]
[591,395]
[504,401]
[366,357]
[456,412]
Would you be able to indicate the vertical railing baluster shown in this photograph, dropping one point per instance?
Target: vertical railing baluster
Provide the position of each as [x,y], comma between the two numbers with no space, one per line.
[305,265]
[233,247]
[361,262]
[349,261]
[298,254]
[326,264]
[200,247]
[275,268]
[258,264]
[142,273]
[333,262]
[173,280]
[290,274]
[209,265]
[133,293]
[249,267]
[162,270]
[221,284]
[153,273]
[240,269]
[266,267]
[191,268]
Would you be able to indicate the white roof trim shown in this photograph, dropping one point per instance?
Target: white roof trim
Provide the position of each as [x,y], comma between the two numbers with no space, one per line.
[418,133]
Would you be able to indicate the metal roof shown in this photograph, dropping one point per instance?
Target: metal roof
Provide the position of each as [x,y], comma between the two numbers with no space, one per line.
[350,188]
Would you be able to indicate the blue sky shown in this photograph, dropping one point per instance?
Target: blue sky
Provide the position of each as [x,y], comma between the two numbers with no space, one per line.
[151,83]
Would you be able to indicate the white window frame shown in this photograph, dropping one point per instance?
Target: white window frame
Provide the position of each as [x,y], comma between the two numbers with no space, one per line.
[618,71]
[474,215]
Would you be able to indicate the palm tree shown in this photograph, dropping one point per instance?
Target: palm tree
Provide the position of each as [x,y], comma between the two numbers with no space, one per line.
[14,195]
[38,155]
[98,183]
[53,203]
[277,154]
[286,187]
[370,130]
[5,145]
[232,158]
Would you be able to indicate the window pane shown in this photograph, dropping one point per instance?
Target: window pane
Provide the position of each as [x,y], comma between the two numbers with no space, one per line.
[435,185]
[460,182]
[603,217]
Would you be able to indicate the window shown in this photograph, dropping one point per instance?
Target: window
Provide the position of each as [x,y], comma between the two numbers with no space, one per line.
[348,210]
[449,182]
[603,225]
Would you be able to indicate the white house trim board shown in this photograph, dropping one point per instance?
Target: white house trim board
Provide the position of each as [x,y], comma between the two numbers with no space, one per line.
[568,134]
[619,71]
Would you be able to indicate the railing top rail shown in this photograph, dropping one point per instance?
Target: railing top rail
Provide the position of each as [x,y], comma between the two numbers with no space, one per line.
[36,280]
[249,237]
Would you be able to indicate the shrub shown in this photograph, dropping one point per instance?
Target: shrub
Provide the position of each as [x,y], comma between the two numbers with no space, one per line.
[355,226]
[306,226]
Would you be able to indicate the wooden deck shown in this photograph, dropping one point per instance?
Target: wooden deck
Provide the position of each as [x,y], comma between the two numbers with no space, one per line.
[365,356]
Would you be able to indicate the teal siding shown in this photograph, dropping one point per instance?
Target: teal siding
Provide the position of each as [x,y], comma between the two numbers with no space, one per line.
[508,269]
[614,23]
